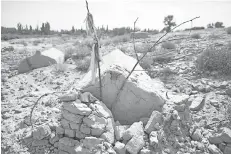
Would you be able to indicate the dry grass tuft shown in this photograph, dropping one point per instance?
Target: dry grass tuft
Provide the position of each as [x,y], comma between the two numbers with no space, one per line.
[228,30]
[60,68]
[213,59]
[168,45]
[196,36]
[146,63]
[83,64]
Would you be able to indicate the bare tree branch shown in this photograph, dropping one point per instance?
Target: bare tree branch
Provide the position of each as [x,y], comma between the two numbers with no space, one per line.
[134,46]
[122,86]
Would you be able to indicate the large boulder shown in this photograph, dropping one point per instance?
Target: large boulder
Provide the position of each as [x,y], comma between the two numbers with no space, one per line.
[140,95]
[41,59]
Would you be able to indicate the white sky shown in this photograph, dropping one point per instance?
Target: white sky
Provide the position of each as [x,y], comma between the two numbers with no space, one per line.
[114,13]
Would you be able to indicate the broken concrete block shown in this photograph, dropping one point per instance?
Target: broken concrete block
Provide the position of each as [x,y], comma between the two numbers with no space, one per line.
[68,97]
[156,117]
[135,144]
[120,148]
[140,95]
[77,107]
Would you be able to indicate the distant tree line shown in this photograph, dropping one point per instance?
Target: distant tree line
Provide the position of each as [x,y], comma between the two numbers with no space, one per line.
[45,29]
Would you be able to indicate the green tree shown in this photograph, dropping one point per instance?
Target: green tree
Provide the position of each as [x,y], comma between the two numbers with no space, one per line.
[73,29]
[219,25]
[31,28]
[47,28]
[169,23]
[43,29]
[210,25]
[19,26]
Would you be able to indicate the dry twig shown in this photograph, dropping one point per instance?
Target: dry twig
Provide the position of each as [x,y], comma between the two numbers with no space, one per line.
[150,49]
[134,45]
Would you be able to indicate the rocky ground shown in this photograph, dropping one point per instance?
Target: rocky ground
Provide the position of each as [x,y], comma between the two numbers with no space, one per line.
[196,120]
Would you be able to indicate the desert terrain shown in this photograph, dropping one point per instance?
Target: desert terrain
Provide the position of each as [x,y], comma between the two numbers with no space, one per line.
[195,117]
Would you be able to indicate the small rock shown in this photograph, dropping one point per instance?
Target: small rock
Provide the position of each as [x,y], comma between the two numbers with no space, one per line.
[72,117]
[120,148]
[153,139]
[227,149]
[74,126]
[65,123]
[136,129]
[59,130]
[156,117]
[200,146]
[145,151]
[85,129]
[77,108]
[69,133]
[80,135]
[41,132]
[197,103]
[119,131]
[223,136]
[196,136]
[39,142]
[68,97]
[87,98]
[91,142]
[135,144]
[214,149]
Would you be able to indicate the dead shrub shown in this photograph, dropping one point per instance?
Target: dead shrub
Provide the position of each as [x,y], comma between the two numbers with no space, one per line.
[119,39]
[60,67]
[146,63]
[83,64]
[36,42]
[213,59]
[228,30]
[168,45]
[196,36]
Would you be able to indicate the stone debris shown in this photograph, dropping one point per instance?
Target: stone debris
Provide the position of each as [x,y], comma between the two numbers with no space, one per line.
[155,118]
[137,99]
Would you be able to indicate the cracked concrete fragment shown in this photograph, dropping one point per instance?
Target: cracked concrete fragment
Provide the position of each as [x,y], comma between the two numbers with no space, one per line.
[137,99]
[101,110]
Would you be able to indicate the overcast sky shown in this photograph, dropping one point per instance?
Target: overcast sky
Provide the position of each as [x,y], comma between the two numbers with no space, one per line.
[114,13]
